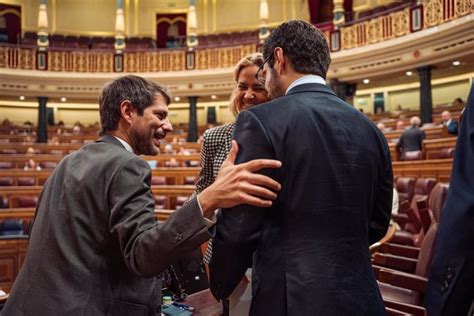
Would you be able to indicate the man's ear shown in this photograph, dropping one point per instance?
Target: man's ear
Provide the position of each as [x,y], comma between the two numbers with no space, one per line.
[127,111]
[280,60]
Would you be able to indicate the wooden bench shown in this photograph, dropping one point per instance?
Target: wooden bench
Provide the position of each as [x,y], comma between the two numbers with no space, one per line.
[431,133]
[439,169]
[170,192]
[174,176]
[432,147]
[19,160]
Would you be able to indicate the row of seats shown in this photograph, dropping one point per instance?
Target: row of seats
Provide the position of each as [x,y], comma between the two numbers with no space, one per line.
[402,266]
[86,42]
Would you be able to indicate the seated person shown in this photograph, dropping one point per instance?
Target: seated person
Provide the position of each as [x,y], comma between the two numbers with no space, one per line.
[400,126]
[412,138]
[172,163]
[31,165]
[449,123]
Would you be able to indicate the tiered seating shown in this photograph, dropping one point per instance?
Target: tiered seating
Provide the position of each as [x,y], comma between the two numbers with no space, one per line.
[402,269]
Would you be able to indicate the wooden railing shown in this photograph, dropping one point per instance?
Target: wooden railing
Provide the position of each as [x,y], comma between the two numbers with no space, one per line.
[388,25]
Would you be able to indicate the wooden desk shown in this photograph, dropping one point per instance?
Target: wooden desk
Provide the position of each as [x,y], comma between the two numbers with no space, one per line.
[439,169]
[432,147]
[171,192]
[174,176]
[19,160]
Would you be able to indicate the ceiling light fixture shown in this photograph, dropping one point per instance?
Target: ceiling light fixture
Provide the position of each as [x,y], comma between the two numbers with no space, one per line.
[22,98]
[176,99]
[409,73]
[456,63]
[366,81]
[63,99]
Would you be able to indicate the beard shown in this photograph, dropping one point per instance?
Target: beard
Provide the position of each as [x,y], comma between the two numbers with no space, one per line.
[273,85]
[144,143]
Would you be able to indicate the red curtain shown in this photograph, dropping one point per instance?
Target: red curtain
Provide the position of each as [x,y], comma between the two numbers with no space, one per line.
[314,7]
[12,16]
[163,22]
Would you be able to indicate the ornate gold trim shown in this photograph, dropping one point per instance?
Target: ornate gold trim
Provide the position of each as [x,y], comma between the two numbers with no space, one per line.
[11,11]
[170,21]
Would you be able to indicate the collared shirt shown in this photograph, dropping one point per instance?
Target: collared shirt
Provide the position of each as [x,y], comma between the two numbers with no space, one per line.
[209,222]
[306,79]
[125,144]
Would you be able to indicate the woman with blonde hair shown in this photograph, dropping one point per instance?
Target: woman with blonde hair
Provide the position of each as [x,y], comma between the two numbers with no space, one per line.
[248,92]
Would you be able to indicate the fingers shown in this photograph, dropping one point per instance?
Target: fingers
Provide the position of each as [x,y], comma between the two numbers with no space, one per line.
[232,154]
[255,201]
[261,180]
[258,164]
[258,191]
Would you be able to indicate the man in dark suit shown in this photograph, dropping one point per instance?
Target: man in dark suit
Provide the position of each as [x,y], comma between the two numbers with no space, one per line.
[310,250]
[95,247]
[450,124]
[451,281]
[411,138]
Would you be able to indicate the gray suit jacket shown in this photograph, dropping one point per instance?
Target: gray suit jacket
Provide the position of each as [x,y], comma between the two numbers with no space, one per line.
[95,247]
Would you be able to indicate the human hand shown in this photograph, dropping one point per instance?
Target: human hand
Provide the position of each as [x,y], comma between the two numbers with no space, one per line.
[239,184]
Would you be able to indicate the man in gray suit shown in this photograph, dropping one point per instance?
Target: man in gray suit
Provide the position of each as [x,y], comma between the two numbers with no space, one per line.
[95,247]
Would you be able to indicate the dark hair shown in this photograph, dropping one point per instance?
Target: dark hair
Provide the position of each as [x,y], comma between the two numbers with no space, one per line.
[139,91]
[303,44]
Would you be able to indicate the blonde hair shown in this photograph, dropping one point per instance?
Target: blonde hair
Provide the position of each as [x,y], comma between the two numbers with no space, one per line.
[255,59]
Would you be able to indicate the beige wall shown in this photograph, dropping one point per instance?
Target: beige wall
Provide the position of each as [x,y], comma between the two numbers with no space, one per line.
[408,99]
[444,91]
[97,18]
[18,112]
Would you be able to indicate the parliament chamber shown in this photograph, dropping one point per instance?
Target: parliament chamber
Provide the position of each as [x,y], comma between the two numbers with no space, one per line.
[392,60]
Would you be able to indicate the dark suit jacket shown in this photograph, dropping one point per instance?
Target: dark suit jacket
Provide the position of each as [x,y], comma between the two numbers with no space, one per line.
[451,281]
[310,249]
[411,139]
[95,247]
[452,127]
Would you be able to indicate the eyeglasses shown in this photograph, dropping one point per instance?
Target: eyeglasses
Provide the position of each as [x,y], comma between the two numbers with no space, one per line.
[261,67]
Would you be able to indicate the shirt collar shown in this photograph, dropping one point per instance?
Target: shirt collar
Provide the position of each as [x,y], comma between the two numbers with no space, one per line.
[304,80]
[125,144]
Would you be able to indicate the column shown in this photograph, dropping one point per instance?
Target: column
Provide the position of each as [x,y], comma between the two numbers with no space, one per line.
[192,128]
[42,33]
[119,28]
[42,132]
[264,15]
[338,13]
[191,40]
[426,100]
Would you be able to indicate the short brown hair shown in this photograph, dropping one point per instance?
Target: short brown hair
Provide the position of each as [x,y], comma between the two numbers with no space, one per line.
[139,91]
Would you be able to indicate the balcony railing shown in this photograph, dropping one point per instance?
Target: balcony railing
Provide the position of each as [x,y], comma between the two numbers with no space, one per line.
[385,26]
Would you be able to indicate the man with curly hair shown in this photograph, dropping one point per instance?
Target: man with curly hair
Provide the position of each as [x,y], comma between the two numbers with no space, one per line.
[309,250]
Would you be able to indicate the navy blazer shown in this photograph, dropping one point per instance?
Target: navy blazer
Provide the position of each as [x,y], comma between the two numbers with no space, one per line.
[309,251]
[451,281]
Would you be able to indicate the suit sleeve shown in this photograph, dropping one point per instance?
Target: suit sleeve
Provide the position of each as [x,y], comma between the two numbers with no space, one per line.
[381,212]
[148,247]
[238,229]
